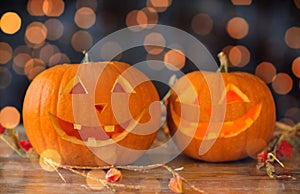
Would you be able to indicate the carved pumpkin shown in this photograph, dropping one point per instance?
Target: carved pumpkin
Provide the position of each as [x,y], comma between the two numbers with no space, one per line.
[93,113]
[243,121]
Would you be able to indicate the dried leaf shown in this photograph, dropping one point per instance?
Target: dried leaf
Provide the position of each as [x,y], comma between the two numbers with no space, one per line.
[284,149]
[262,157]
[25,145]
[2,129]
[113,175]
[175,184]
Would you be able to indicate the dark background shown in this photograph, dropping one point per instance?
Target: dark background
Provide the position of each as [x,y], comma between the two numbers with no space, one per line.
[268,22]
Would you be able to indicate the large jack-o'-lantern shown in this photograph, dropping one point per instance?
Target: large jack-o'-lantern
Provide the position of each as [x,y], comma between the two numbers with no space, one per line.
[245,127]
[92,114]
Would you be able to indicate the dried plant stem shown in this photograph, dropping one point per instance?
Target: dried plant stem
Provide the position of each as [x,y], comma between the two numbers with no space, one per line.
[174,173]
[286,132]
[60,175]
[12,146]
[129,167]
[286,127]
[112,186]
[272,157]
[77,170]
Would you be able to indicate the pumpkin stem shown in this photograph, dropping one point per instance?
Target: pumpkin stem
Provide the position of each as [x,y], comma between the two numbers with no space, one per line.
[86,57]
[223,62]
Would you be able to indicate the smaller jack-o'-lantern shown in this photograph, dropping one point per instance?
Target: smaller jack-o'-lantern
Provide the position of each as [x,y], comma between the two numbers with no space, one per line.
[246,121]
[92,114]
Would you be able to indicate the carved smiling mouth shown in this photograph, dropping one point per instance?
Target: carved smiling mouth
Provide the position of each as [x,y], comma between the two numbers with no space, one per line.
[240,125]
[93,136]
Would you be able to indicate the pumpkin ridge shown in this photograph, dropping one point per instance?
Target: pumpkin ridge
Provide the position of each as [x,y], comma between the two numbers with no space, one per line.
[39,113]
[65,68]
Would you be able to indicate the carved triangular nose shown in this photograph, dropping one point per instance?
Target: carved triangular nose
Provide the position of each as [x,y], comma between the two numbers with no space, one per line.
[100,107]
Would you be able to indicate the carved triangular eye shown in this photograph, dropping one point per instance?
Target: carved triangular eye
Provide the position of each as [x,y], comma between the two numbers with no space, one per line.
[75,86]
[233,94]
[78,89]
[118,88]
[121,85]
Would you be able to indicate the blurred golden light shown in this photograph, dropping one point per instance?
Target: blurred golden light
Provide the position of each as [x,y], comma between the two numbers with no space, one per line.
[237,27]
[47,51]
[82,41]
[296,67]
[154,43]
[5,52]
[239,56]
[35,7]
[282,83]
[109,49]
[86,3]
[297,3]
[53,7]
[202,24]
[226,50]
[33,67]
[141,19]
[5,77]
[241,2]
[292,37]
[51,155]
[136,20]
[95,184]
[10,22]
[85,17]
[58,58]
[36,33]
[174,60]
[159,5]
[55,29]
[9,117]
[266,71]
[151,16]
[19,62]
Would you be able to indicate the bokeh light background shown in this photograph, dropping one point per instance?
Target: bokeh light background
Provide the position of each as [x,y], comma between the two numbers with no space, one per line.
[260,37]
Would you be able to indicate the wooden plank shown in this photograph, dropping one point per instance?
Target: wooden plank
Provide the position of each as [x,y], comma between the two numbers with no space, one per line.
[20,175]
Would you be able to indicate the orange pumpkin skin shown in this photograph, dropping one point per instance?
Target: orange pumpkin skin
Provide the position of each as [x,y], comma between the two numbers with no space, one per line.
[52,103]
[248,121]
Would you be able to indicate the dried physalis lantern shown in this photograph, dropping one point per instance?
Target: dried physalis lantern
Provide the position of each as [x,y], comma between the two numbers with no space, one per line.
[96,113]
[244,128]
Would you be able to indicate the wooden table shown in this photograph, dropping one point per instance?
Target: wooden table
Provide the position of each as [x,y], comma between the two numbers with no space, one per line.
[20,175]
